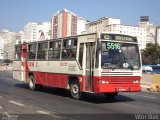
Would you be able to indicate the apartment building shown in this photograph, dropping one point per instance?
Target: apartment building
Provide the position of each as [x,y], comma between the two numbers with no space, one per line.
[66,23]
[107,24]
[36,31]
[140,33]
[101,24]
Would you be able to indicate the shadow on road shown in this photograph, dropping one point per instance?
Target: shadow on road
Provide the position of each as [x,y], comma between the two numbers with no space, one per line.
[86,97]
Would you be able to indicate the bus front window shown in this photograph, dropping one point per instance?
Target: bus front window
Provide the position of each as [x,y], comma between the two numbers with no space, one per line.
[117,55]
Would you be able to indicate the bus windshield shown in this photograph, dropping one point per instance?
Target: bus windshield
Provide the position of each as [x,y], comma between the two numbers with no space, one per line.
[117,55]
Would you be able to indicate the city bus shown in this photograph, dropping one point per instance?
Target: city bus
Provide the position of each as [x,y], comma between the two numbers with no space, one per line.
[105,63]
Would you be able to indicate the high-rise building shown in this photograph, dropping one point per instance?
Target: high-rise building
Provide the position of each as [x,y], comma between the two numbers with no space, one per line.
[81,25]
[151,29]
[36,31]
[113,25]
[1,48]
[9,42]
[144,19]
[66,23]
[43,31]
[101,24]
[63,23]
[138,32]
[30,32]
[158,35]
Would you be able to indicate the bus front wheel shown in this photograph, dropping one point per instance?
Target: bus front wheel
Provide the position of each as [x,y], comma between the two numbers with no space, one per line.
[75,90]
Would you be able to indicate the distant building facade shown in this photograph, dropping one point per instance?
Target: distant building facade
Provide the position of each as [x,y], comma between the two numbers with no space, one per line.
[36,31]
[140,33]
[101,24]
[81,25]
[66,23]
[151,29]
[1,48]
[9,42]
[158,35]
[106,24]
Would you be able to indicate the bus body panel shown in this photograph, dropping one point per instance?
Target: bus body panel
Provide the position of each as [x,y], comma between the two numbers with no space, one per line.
[117,84]
[17,70]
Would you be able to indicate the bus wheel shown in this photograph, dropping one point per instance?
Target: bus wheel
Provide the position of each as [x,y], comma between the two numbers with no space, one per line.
[32,84]
[75,90]
[111,95]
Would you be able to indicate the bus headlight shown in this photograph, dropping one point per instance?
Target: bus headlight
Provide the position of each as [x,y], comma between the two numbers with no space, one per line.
[103,82]
[135,81]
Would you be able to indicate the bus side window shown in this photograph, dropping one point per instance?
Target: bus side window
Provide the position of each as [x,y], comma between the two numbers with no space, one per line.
[54,50]
[18,50]
[42,51]
[32,51]
[81,54]
[69,49]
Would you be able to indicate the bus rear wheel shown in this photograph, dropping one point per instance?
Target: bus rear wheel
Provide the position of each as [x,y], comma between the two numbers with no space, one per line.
[32,84]
[75,90]
[111,95]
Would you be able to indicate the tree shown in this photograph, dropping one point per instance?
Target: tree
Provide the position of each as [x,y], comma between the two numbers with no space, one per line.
[151,55]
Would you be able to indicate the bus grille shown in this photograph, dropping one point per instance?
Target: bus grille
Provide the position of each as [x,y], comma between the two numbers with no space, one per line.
[121,82]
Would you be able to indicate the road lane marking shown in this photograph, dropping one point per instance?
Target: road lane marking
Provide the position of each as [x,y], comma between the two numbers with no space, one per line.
[1,107]
[0,96]
[16,103]
[141,95]
[48,113]
[43,112]
[9,79]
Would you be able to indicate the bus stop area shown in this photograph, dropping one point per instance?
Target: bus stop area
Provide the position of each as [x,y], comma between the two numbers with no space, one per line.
[150,82]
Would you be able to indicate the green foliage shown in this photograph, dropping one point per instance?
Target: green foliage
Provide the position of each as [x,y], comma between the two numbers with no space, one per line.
[151,55]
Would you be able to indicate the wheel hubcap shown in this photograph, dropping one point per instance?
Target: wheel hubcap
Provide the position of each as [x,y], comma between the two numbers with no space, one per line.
[75,89]
[31,83]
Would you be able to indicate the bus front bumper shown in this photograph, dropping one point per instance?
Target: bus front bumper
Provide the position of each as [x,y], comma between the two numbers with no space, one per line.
[118,88]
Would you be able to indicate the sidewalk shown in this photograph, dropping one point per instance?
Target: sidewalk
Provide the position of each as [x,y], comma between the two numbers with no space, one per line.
[147,81]
[5,68]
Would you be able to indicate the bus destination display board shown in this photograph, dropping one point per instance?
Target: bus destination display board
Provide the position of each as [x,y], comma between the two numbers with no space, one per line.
[118,37]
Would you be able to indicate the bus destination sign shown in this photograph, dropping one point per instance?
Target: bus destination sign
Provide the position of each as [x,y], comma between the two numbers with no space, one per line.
[118,37]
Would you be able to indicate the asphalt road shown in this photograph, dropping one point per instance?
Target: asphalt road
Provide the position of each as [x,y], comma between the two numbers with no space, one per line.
[18,101]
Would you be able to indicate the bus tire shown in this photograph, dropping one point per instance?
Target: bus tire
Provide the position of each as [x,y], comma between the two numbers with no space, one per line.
[75,90]
[32,85]
[111,95]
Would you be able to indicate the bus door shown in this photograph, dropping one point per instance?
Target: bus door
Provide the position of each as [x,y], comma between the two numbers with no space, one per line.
[89,71]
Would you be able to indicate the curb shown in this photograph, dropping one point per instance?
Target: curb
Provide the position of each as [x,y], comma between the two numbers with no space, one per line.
[145,87]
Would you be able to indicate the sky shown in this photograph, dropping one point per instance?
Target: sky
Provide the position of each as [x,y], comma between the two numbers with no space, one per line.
[15,14]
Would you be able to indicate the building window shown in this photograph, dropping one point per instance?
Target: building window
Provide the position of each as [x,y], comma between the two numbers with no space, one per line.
[18,51]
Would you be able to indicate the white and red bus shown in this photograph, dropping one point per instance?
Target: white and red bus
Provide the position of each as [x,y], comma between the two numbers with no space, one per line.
[97,63]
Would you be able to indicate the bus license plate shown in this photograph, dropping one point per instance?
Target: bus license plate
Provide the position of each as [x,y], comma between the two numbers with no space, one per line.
[122,89]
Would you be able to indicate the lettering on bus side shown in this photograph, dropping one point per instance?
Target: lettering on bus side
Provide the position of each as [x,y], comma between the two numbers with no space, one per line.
[31,64]
[71,67]
[63,63]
